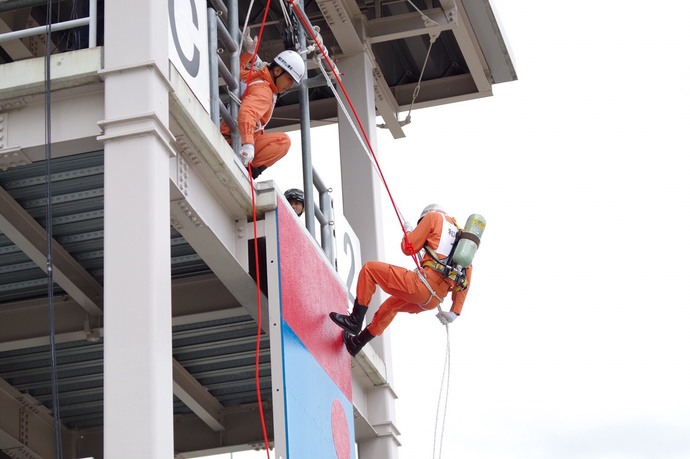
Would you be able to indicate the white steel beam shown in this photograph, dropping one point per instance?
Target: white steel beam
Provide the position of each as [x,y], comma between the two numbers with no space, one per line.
[137,149]
[407,25]
[341,16]
[197,398]
[16,49]
[26,427]
[202,142]
[70,69]
[495,49]
[449,89]
[193,438]
[242,431]
[464,34]
[347,25]
[276,339]
[23,326]
[137,292]
[31,238]
[361,200]
[220,240]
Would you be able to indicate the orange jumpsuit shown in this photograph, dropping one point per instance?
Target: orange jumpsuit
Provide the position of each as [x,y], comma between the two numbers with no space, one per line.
[408,293]
[255,112]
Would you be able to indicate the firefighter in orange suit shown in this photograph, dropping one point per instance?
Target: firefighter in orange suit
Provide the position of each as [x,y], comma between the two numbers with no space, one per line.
[410,291]
[259,96]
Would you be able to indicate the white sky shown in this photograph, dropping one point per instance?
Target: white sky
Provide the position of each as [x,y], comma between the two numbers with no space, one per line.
[574,342]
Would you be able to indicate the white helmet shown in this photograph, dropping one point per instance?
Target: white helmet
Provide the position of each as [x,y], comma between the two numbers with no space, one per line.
[432,207]
[292,63]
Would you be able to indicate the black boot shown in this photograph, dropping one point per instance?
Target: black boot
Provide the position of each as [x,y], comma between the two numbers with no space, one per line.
[354,344]
[350,323]
[256,171]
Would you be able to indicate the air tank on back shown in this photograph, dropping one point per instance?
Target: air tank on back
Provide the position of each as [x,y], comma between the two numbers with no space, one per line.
[467,247]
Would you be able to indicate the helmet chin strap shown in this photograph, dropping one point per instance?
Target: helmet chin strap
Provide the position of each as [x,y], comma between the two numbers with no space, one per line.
[273,74]
[282,72]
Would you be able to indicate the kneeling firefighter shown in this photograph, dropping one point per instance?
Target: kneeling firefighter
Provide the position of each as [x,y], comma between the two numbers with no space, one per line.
[412,291]
[260,149]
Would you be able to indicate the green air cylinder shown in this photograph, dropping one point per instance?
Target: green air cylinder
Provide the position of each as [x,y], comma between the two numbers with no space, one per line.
[467,247]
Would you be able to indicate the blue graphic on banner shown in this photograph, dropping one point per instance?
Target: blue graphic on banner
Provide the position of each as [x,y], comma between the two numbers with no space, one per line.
[319,420]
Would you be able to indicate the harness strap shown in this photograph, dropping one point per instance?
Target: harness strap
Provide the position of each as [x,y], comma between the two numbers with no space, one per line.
[433,253]
[457,276]
[472,237]
[243,89]
[445,267]
[432,293]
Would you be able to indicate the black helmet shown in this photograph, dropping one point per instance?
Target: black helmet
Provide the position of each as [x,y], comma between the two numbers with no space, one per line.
[294,194]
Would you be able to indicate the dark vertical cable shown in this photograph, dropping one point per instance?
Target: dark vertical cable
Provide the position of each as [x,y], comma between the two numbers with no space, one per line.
[49,237]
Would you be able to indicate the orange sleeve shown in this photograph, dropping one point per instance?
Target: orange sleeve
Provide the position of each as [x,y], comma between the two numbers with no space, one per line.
[225,130]
[423,232]
[256,103]
[245,57]
[460,296]
[257,100]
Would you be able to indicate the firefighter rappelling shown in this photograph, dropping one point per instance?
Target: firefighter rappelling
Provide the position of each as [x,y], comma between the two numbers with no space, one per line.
[156,130]
[437,234]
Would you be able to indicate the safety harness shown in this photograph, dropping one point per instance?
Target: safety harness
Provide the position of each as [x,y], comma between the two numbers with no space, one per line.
[243,89]
[432,293]
[225,131]
[445,266]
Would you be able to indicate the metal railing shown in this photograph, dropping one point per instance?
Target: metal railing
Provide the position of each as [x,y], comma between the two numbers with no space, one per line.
[224,30]
[90,20]
[324,215]
[220,20]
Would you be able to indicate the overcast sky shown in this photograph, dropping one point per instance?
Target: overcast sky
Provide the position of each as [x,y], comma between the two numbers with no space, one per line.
[574,342]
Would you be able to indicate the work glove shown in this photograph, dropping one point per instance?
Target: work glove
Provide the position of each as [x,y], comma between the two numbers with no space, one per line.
[247,153]
[446,317]
[318,42]
[408,227]
[248,43]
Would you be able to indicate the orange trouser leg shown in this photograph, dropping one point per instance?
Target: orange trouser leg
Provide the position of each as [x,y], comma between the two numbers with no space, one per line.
[387,312]
[269,148]
[406,291]
[394,280]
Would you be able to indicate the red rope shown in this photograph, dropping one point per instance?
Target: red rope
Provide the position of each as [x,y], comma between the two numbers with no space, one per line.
[256,258]
[258,317]
[407,243]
